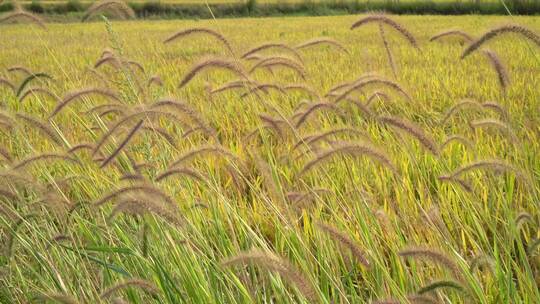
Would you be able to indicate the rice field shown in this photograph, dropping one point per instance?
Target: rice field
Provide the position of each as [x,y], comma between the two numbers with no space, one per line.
[272,160]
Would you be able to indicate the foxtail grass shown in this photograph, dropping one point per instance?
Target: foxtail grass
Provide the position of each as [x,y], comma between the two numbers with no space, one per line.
[184,171]
[436,285]
[272,45]
[7,83]
[40,125]
[505,29]
[134,282]
[311,109]
[471,103]
[148,189]
[494,123]
[59,298]
[351,149]
[457,33]
[20,15]
[276,264]
[344,240]
[319,41]
[500,69]
[488,164]
[122,144]
[212,63]
[44,156]
[423,253]
[457,138]
[413,130]
[72,96]
[414,299]
[118,7]
[372,81]
[206,149]
[199,30]
[387,21]
[37,90]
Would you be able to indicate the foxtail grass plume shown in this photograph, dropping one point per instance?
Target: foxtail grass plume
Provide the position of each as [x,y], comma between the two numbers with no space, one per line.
[119,8]
[276,264]
[321,40]
[200,30]
[413,130]
[345,241]
[350,149]
[389,22]
[212,63]
[457,33]
[505,29]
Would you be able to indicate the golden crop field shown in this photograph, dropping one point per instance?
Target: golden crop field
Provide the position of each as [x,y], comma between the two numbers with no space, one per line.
[254,161]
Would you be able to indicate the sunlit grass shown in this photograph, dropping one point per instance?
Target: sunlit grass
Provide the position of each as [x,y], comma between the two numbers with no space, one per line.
[81,251]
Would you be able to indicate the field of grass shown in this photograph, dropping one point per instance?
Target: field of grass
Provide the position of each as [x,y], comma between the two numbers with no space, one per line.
[223,1]
[62,11]
[244,218]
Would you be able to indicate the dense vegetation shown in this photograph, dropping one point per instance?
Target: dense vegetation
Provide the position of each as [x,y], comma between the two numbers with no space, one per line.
[342,159]
[69,10]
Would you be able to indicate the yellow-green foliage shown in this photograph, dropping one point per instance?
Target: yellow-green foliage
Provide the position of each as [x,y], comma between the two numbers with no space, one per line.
[72,230]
